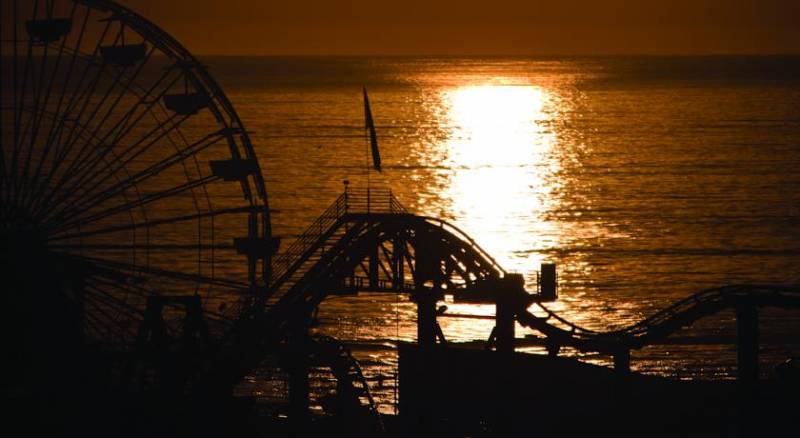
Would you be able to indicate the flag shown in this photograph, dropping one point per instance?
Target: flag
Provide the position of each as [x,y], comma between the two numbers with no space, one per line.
[373,138]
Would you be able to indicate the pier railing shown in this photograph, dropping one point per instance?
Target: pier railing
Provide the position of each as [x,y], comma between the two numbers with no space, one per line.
[351,201]
[382,284]
[372,201]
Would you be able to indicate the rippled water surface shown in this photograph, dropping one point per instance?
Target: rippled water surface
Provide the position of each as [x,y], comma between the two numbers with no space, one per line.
[644,179]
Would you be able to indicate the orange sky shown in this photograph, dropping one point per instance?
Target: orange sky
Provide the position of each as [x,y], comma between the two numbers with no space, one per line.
[510,27]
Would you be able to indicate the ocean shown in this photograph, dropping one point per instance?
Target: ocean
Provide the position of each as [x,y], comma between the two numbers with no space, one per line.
[644,179]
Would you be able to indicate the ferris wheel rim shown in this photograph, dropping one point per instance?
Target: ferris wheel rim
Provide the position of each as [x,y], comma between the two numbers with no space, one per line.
[235,137]
[167,41]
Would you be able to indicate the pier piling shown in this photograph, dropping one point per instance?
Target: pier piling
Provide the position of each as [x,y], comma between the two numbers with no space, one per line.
[747,343]
[299,387]
[504,322]
[426,319]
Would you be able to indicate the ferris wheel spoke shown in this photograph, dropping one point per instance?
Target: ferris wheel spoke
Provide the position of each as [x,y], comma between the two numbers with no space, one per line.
[46,198]
[139,203]
[102,328]
[127,122]
[79,93]
[119,301]
[123,290]
[45,190]
[116,301]
[57,124]
[123,268]
[62,195]
[110,307]
[60,127]
[32,124]
[78,128]
[82,99]
[74,136]
[21,106]
[94,327]
[41,116]
[58,234]
[90,199]
[149,246]
[90,195]
[128,86]
[82,95]
[161,131]
[115,319]
[122,92]
[15,108]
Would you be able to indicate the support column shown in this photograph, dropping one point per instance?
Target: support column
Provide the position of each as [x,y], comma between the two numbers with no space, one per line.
[427,365]
[622,362]
[509,298]
[507,303]
[553,349]
[398,250]
[373,264]
[504,322]
[747,343]
[622,373]
[298,374]
[426,319]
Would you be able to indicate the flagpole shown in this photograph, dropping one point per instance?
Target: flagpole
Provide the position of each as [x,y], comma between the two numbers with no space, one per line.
[366,156]
[366,150]
[372,143]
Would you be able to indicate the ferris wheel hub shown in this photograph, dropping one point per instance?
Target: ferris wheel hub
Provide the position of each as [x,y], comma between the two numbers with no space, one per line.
[125,174]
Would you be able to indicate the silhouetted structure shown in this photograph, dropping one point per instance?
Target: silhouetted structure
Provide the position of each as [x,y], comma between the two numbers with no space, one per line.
[142,282]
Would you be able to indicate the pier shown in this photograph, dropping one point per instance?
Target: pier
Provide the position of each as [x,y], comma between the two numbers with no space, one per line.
[143,282]
[366,241]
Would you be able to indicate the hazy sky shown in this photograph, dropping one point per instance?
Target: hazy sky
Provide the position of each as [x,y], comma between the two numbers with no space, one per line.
[478,27]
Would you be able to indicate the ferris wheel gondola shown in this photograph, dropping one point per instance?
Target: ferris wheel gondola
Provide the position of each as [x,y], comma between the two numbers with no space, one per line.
[125,174]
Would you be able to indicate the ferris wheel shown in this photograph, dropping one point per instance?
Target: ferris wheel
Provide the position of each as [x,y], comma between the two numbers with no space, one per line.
[125,175]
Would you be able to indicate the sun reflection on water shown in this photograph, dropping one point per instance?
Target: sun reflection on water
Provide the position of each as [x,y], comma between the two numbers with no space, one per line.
[501,150]
[502,157]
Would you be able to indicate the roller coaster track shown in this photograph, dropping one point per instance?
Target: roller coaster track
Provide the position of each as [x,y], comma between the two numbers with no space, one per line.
[663,323]
[323,261]
[439,258]
[647,331]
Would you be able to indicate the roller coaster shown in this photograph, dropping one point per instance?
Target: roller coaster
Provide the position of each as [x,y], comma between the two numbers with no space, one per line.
[367,241]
